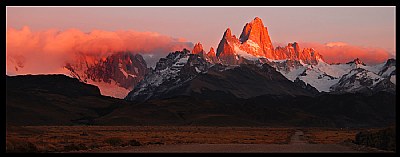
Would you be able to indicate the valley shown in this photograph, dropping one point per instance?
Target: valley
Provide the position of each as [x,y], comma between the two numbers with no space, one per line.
[245,96]
[183,139]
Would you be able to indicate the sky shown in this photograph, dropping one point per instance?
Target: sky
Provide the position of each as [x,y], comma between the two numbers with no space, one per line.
[370,30]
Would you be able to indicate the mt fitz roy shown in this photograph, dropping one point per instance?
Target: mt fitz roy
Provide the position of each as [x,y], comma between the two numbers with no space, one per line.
[245,67]
[244,81]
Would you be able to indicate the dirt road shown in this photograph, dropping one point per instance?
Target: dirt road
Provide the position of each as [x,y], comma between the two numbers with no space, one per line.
[296,145]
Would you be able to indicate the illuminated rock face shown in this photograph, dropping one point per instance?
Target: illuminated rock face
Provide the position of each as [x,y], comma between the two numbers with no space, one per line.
[293,52]
[225,51]
[211,56]
[115,75]
[255,41]
[198,49]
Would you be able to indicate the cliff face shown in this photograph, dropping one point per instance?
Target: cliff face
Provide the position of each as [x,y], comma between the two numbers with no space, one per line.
[198,49]
[255,39]
[226,48]
[255,42]
[115,75]
[293,52]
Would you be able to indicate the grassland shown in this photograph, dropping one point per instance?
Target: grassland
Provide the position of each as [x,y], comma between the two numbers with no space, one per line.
[79,138]
[104,138]
[330,135]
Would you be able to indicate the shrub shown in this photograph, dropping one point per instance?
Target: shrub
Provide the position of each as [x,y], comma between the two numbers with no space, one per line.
[155,142]
[114,141]
[93,146]
[383,139]
[134,143]
[74,147]
[21,147]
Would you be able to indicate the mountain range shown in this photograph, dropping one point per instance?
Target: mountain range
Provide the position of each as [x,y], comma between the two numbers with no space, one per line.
[246,81]
[120,73]
[115,75]
[61,100]
[248,70]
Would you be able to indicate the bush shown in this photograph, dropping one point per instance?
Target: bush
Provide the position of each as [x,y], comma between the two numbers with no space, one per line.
[114,141]
[93,146]
[134,143]
[383,139]
[74,147]
[155,142]
[21,147]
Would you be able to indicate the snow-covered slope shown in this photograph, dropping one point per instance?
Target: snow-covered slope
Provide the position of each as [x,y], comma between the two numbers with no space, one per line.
[336,77]
[303,66]
[170,72]
[185,74]
[357,80]
[180,73]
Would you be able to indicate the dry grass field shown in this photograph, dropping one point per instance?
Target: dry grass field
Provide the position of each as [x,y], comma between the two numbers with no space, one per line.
[331,135]
[106,138]
[84,138]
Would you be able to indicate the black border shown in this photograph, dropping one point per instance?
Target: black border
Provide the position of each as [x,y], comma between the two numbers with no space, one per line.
[5,3]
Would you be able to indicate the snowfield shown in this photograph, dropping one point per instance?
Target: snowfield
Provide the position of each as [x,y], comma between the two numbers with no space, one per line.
[323,75]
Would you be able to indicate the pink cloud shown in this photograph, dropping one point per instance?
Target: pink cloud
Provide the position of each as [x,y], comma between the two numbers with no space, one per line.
[340,52]
[47,51]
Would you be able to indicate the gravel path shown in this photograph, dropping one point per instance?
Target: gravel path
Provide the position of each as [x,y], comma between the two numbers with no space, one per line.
[296,145]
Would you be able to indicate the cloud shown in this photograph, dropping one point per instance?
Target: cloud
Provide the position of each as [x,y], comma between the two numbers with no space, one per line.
[47,51]
[333,44]
[340,52]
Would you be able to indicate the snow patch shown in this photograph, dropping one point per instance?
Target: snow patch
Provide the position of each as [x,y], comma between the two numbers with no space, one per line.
[158,77]
[253,45]
[302,63]
[369,75]
[393,79]
[375,68]
[123,72]
[132,75]
[181,62]
[318,80]
[389,71]
[244,54]
[293,74]
[334,70]
[353,72]
[277,61]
